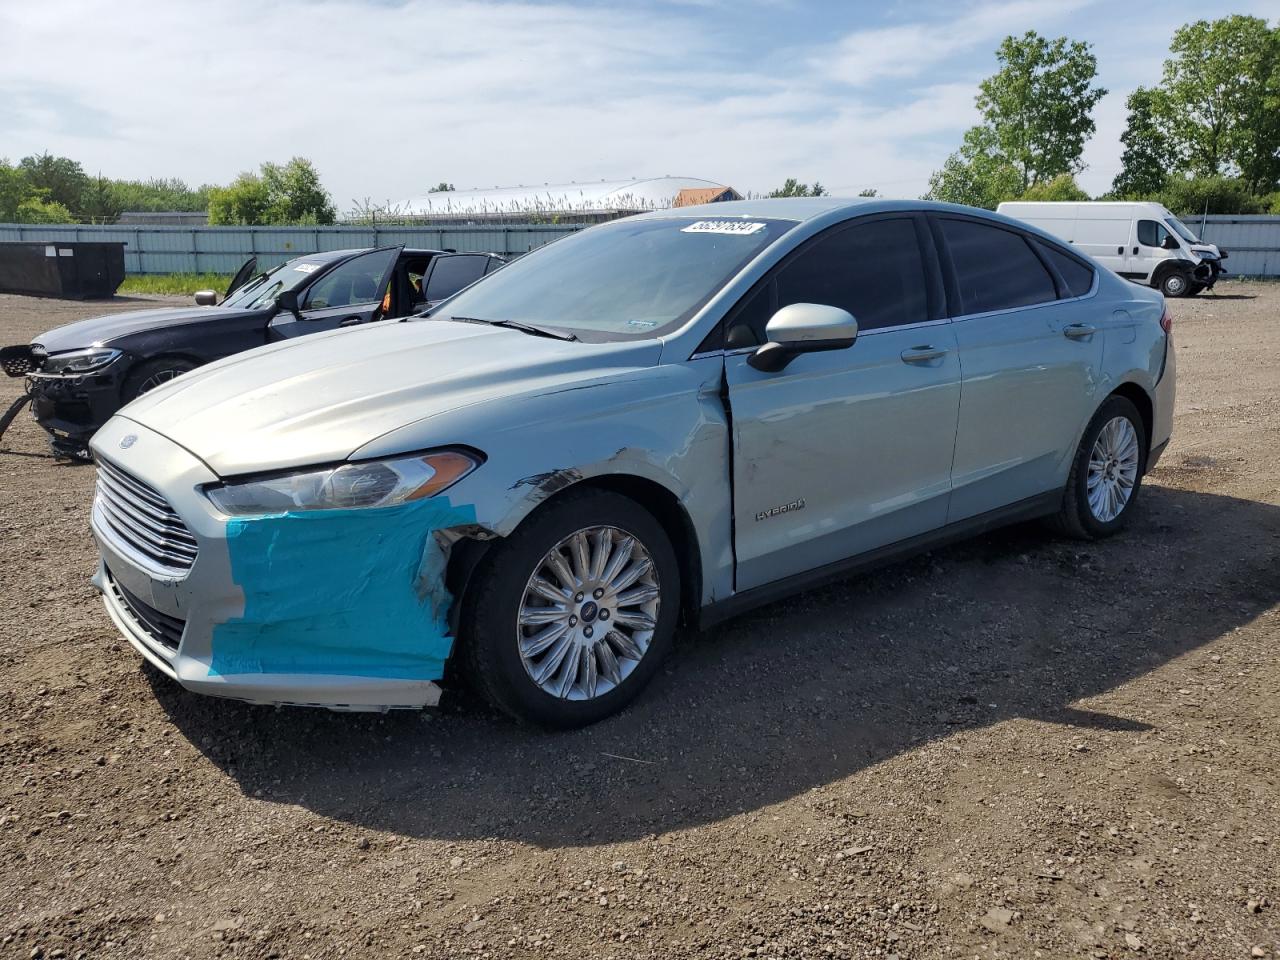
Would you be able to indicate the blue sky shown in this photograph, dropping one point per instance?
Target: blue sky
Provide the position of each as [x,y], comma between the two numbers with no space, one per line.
[388,98]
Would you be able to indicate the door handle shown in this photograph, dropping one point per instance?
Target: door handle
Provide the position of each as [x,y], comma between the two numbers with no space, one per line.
[1135,251]
[351,321]
[1078,331]
[922,354]
[1120,251]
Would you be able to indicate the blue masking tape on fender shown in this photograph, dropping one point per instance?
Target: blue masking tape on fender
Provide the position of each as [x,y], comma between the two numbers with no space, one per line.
[343,592]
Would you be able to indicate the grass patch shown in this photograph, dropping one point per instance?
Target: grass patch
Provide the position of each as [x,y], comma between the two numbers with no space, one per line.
[175,284]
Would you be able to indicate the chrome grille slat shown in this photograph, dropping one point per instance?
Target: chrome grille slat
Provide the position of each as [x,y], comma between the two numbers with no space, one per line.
[126,526]
[139,522]
[160,627]
[139,488]
[154,522]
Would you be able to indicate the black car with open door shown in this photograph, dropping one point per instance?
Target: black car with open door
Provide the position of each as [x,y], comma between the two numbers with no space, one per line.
[80,374]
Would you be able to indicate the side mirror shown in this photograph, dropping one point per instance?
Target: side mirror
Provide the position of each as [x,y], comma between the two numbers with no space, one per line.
[288,300]
[206,298]
[1170,242]
[803,328]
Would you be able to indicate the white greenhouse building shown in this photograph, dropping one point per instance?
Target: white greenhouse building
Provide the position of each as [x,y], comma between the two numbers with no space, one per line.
[567,202]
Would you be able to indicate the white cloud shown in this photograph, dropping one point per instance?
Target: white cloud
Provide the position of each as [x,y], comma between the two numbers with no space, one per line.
[388,99]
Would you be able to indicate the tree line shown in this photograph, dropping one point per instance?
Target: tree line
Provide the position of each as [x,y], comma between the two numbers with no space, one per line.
[1205,138]
[48,189]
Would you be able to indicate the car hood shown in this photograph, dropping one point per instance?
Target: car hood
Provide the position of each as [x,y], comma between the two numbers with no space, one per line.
[98,331]
[321,398]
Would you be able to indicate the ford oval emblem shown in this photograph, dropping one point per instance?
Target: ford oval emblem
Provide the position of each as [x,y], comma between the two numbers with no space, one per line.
[128,440]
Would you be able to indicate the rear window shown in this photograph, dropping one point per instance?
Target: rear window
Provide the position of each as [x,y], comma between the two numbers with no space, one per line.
[996,269]
[1077,276]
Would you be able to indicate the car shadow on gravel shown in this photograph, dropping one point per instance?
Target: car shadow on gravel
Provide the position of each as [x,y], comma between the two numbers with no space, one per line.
[800,694]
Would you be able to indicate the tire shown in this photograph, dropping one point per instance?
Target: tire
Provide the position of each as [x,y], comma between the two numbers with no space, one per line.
[1082,518]
[1175,283]
[502,654]
[149,375]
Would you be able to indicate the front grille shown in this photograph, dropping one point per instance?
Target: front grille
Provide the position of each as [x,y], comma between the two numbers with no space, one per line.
[160,627]
[141,523]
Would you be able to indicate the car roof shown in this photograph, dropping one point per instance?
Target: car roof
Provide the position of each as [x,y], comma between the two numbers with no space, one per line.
[801,209]
[325,256]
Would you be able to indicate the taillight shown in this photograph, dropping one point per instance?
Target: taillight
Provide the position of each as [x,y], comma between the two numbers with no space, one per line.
[1166,321]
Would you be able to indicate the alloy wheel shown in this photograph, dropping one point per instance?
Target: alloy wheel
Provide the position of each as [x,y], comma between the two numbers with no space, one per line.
[1113,469]
[588,613]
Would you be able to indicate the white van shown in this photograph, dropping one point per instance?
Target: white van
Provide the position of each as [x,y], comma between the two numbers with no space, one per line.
[1142,242]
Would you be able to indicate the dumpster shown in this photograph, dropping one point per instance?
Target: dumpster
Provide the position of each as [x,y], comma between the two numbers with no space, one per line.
[71,270]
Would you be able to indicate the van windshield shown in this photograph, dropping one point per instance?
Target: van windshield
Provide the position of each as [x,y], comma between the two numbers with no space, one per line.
[620,280]
[1178,227]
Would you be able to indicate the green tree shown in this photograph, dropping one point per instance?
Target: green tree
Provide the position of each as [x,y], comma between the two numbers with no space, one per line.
[99,204]
[281,194]
[296,194]
[1061,188]
[1192,196]
[869,192]
[1220,99]
[59,179]
[159,194]
[1038,105]
[442,187]
[977,174]
[1148,156]
[38,210]
[243,202]
[13,190]
[793,188]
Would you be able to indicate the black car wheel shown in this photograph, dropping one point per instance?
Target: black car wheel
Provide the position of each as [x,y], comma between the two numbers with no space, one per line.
[149,375]
[573,613]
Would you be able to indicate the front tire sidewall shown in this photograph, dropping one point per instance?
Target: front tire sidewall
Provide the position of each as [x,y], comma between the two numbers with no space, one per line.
[1175,284]
[1078,495]
[490,628]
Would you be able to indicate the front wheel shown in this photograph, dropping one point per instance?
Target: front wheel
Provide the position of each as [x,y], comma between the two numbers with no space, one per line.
[151,374]
[574,612]
[1106,473]
[1175,284]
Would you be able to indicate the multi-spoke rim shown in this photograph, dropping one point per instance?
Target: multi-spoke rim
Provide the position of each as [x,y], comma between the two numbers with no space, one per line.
[157,378]
[1113,469]
[588,613]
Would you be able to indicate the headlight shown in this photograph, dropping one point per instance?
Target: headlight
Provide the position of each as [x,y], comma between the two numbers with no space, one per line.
[374,483]
[79,361]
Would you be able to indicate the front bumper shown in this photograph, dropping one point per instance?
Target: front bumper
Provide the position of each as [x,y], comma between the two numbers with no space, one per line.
[317,617]
[74,406]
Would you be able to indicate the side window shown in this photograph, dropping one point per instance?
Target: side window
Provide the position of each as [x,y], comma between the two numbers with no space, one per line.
[494,264]
[1151,234]
[357,281]
[747,321]
[874,270]
[453,272]
[996,269]
[1076,275]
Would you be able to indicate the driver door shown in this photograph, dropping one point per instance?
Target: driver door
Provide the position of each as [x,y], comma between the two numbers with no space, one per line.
[844,451]
[345,295]
[1148,250]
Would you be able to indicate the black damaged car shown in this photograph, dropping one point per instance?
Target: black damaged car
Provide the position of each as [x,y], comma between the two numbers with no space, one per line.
[80,374]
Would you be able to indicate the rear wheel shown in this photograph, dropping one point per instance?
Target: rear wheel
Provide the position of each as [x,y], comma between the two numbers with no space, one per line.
[1106,473]
[147,376]
[573,613]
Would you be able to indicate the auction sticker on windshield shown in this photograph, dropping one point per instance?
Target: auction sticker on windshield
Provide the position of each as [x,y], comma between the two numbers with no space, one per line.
[307,267]
[734,228]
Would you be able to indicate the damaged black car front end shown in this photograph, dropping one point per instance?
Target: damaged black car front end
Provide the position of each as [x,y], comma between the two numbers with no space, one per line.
[71,393]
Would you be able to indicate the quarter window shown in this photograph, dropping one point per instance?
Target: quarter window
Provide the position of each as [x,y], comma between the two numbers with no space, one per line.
[996,269]
[451,273]
[1077,276]
[874,270]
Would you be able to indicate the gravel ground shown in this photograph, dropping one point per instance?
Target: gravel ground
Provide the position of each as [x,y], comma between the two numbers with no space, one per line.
[1017,747]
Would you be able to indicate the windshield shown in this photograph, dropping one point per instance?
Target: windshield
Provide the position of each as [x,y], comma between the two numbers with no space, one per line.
[626,279]
[262,290]
[1178,227]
